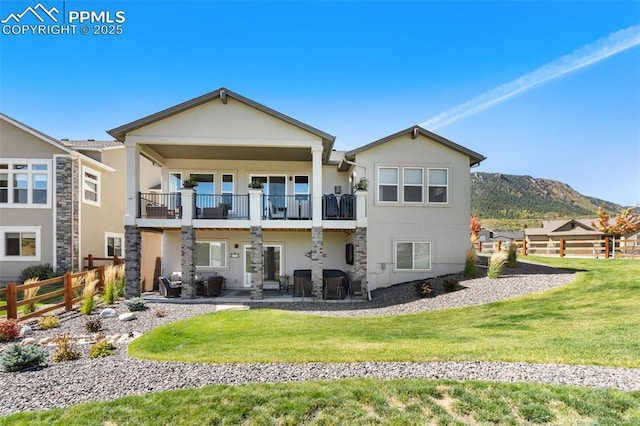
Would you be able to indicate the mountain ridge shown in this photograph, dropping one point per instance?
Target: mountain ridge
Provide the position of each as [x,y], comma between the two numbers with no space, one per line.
[510,202]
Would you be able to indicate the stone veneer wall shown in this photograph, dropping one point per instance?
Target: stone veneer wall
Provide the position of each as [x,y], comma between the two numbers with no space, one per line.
[67,210]
[188,234]
[360,257]
[132,256]
[317,260]
[257,272]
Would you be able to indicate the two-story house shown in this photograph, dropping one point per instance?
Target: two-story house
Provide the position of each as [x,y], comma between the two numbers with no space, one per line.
[55,201]
[273,197]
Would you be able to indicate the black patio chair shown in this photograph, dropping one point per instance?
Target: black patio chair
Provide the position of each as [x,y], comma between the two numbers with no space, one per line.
[170,290]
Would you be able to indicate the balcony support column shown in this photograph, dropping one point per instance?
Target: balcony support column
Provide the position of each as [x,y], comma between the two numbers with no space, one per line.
[133,182]
[316,191]
[317,260]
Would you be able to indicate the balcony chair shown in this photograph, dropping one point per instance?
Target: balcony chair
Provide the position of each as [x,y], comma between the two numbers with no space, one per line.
[275,212]
[167,289]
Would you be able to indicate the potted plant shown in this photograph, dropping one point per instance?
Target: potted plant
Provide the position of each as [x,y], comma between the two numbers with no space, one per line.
[255,184]
[190,182]
[361,185]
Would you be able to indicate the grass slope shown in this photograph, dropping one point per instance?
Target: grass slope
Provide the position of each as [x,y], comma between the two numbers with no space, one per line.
[593,320]
[355,402]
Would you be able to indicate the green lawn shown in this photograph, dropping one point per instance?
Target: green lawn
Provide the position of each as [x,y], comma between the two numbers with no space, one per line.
[594,320]
[355,402]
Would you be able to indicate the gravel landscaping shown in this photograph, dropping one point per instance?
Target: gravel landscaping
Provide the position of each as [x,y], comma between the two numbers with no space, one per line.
[73,382]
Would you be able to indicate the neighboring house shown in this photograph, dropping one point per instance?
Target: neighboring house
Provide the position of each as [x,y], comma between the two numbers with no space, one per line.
[60,200]
[554,230]
[412,222]
[489,236]
[49,196]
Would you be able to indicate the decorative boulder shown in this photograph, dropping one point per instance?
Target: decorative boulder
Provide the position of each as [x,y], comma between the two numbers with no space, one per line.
[25,331]
[108,313]
[129,316]
[29,341]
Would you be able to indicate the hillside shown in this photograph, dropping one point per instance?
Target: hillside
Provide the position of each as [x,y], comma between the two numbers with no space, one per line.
[513,201]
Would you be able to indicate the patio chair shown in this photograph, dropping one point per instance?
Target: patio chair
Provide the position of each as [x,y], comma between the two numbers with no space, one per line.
[170,290]
[354,287]
[276,213]
[333,288]
[302,287]
[214,286]
[220,212]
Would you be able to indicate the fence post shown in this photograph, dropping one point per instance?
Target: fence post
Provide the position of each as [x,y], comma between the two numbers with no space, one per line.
[561,247]
[90,262]
[68,292]
[479,246]
[606,247]
[12,301]
[100,286]
[524,247]
[499,246]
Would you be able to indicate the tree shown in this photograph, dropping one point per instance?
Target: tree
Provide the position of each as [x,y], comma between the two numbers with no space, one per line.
[474,228]
[627,223]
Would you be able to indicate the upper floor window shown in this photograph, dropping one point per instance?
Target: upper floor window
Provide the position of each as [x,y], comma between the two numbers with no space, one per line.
[301,187]
[20,243]
[438,186]
[90,186]
[25,183]
[388,184]
[412,184]
[227,189]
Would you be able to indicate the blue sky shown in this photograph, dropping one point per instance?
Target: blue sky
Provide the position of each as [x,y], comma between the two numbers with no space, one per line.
[357,70]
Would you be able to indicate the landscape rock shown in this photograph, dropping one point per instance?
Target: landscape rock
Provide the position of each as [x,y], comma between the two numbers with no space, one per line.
[108,313]
[25,331]
[128,316]
[28,341]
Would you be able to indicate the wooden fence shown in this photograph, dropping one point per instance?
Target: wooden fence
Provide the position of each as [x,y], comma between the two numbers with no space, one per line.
[69,286]
[90,261]
[603,248]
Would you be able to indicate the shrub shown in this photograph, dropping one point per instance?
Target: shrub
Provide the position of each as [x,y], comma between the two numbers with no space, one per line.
[424,288]
[110,278]
[471,258]
[93,325]
[101,349]
[42,272]
[66,349]
[9,329]
[48,322]
[450,285]
[496,264]
[135,304]
[30,293]
[88,292]
[17,357]
[512,255]
[119,288]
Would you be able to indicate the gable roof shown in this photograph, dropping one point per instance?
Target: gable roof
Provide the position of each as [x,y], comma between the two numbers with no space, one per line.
[414,131]
[222,93]
[552,227]
[53,141]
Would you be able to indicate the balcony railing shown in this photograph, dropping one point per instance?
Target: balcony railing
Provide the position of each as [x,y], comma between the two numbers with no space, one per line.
[233,206]
[221,206]
[294,207]
[153,205]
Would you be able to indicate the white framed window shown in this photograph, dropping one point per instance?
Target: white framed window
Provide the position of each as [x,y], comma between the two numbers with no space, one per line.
[20,243]
[412,184]
[388,184]
[226,189]
[301,187]
[212,254]
[438,182]
[113,244]
[25,183]
[413,255]
[90,186]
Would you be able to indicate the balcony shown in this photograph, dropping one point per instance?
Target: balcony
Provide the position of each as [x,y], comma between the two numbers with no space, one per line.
[168,209]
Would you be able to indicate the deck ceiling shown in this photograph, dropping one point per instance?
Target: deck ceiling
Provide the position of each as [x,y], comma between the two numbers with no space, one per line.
[232,153]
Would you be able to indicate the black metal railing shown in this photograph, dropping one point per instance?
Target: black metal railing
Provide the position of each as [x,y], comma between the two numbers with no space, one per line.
[221,206]
[294,207]
[154,205]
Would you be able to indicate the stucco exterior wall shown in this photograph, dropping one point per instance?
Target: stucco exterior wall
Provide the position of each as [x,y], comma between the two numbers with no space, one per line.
[446,226]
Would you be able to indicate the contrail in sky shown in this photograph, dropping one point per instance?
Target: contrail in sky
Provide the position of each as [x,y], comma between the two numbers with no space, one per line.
[603,48]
